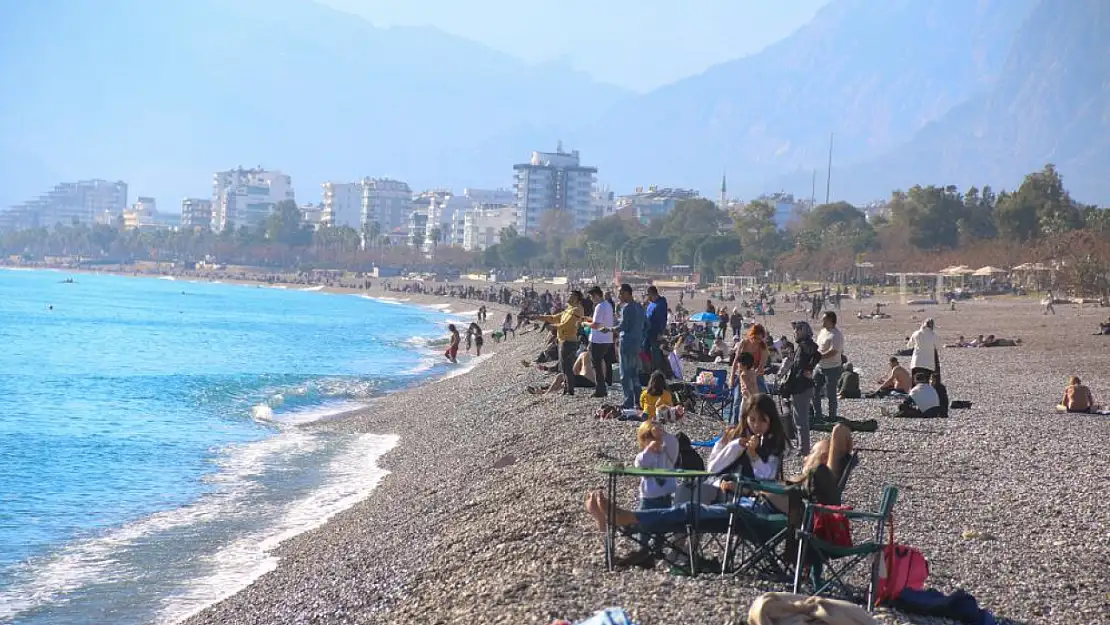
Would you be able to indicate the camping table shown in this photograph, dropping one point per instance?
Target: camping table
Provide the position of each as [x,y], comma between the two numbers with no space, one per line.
[617,471]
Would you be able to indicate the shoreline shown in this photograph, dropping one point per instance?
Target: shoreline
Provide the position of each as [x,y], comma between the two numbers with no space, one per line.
[176,607]
[481,519]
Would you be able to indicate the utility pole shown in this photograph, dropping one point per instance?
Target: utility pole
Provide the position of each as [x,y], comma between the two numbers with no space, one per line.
[828,179]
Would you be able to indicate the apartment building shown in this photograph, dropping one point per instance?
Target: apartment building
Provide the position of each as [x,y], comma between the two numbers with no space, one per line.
[342,205]
[246,197]
[652,203]
[196,214]
[553,181]
[386,202]
[67,203]
[483,224]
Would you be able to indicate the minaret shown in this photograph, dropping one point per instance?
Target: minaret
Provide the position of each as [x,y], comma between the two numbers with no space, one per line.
[724,193]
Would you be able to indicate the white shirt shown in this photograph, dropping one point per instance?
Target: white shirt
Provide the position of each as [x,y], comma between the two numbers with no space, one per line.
[603,314]
[924,344]
[676,365]
[724,455]
[924,396]
[830,339]
[666,459]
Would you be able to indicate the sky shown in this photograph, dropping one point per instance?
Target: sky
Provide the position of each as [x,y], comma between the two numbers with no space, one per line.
[636,44]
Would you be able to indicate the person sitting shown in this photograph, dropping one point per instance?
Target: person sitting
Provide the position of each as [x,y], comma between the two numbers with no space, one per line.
[897,383]
[754,449]
[655,395]
[848,387]
[582,371]
[1077,397]
[1104,328]
[922,402]
[719,350]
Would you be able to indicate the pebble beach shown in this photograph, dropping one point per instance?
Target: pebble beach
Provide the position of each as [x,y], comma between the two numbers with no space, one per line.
[482,520]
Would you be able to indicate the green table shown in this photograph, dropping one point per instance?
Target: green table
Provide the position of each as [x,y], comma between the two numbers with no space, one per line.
[614,472]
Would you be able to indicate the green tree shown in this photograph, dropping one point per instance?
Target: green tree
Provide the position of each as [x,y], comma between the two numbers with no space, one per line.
[694,216]
[755,226]
[1040,207]
[284,224]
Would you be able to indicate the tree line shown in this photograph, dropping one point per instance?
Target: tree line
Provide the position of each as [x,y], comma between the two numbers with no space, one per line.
[920,229]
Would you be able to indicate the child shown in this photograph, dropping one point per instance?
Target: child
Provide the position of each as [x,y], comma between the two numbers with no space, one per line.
[452,353]
[655,395]
[507,326]
[1077,398]
[746,384]
[656,452]
[753,448]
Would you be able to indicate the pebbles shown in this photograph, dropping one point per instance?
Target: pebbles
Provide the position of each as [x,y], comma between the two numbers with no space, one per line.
[1007,500]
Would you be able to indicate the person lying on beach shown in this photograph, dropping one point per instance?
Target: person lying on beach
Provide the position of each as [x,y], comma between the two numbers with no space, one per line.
[993,341]
[897,383]
[1077,397]
[960,342]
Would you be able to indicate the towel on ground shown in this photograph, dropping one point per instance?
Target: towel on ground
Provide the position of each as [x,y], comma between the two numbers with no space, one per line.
[784,608]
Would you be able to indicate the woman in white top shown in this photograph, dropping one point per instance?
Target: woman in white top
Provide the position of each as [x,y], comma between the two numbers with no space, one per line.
[754,447]
[924,344]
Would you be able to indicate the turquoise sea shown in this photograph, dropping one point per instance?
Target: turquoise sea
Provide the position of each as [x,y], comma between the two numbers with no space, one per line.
[155,440]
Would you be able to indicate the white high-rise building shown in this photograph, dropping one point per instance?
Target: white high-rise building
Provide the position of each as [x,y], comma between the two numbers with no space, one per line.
[386,202]
[604,201]
[342,205]
[448,215]
[482,225]
[553,181]
[85,201]
[246,197]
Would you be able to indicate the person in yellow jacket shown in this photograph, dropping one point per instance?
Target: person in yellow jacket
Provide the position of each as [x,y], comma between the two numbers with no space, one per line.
[655,395]
[566,326]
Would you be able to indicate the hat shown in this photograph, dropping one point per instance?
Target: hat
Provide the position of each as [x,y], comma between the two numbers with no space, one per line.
[929,322]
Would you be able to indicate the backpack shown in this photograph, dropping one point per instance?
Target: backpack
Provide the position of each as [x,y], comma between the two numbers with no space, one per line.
[901,567]
[833,528]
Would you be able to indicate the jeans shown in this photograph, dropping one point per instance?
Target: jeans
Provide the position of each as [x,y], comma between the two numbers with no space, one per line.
[653,503]
[658,362]
[568,351]
[603,372]
[832,381]
[675,519]
[734,415]
[799,409]
[630,375]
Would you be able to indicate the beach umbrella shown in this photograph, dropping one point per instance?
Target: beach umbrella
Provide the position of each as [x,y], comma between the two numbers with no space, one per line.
[704,317]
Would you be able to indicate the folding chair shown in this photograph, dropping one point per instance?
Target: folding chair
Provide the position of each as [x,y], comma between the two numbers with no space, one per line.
[681,540]
[814,554]
[713,400]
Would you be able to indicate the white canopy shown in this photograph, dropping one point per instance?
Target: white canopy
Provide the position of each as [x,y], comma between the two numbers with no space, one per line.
[988,271]
[957,270]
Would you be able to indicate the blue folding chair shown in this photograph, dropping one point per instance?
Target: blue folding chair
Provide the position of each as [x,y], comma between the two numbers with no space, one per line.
[713,400]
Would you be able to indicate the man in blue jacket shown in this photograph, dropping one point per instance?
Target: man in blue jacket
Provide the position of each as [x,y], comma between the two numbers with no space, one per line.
[657,328]
[631,328]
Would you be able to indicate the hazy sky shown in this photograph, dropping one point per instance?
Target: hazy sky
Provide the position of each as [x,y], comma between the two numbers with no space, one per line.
[638,44]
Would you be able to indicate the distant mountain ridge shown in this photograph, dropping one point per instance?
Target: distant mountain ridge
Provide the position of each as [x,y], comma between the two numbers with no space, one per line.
[165,93]
[872,72]
[162,94]
[1050,104]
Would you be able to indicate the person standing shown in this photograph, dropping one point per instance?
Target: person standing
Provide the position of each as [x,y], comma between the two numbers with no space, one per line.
[566,330]
[1049,300]
[657,328]
[631,328]
[924,344]
[601,342]
[830,344]
[799,382]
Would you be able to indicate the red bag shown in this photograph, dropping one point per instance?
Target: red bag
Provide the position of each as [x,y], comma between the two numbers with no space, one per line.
[833,527]
[902,567]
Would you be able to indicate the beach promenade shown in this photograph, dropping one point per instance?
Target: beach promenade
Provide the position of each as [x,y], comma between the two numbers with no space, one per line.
[1007,500]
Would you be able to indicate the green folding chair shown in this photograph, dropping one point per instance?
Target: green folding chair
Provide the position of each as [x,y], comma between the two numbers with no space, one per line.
[816,555]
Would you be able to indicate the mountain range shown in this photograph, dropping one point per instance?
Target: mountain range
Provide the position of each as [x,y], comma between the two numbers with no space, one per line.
[162,94]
